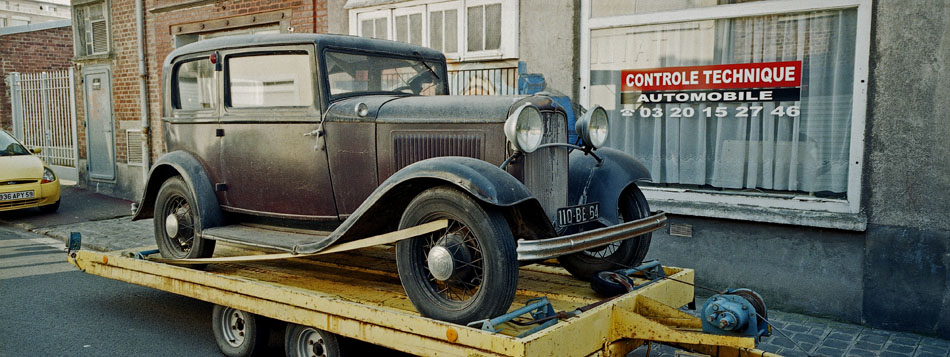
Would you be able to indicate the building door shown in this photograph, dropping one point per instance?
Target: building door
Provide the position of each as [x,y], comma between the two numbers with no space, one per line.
[97,88]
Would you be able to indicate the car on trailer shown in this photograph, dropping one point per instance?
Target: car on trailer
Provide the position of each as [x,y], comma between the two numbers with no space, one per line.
[302,142]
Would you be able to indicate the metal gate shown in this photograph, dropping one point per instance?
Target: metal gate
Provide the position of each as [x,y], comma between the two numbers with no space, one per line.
[44,116]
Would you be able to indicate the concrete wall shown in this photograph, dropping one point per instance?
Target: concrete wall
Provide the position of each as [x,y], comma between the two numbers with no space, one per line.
[548,42]
[907,285]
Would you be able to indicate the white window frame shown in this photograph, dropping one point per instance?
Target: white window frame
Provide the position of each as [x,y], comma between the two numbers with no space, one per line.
[798,210]
[451,5]
[406,11]
[509,24]
[355,21]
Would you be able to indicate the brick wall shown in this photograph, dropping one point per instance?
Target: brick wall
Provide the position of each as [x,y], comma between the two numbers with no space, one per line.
[27,52]
[307,16]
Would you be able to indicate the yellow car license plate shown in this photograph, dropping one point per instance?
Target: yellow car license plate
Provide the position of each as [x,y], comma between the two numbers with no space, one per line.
[19,195]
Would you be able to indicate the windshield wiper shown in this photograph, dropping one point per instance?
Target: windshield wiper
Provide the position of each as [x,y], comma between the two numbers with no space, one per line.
[423,60]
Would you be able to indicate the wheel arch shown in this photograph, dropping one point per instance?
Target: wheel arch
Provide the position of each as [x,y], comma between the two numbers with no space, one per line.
[592,181]
[488,184]
[186,165]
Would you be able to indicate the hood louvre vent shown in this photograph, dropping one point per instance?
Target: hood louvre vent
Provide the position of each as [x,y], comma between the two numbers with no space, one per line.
[417,146]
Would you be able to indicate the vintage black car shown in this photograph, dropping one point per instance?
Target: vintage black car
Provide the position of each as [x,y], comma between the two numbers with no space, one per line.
[302,142]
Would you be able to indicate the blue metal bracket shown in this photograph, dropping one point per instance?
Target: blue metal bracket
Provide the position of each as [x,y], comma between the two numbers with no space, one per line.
[74,243]
[538,308]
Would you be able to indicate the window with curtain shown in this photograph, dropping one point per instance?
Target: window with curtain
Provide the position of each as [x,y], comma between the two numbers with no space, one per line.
[772,147]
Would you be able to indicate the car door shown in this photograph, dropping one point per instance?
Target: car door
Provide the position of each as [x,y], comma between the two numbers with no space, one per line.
[270,164]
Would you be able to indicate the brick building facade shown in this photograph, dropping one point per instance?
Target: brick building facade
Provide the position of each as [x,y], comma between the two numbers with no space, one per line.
[27,49]
[167,25]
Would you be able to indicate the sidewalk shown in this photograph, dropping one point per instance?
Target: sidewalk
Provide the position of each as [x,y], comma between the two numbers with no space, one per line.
[817,336]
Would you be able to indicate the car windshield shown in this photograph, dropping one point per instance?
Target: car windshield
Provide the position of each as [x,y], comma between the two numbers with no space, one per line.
[353,74]
[9,146]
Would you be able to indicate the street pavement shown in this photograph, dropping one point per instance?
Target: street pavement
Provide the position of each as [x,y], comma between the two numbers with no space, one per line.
[105,225]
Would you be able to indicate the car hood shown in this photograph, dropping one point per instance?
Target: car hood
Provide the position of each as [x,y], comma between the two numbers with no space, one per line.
[20,167]
[446,108]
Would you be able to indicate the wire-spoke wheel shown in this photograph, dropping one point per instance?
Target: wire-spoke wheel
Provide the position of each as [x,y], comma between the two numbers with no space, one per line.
[176,223]
[465,272]
[304,341]
[238,333]
[617,255]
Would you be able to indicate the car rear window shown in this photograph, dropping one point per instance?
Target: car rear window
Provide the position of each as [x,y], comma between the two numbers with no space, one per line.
[195,85]
[270,80]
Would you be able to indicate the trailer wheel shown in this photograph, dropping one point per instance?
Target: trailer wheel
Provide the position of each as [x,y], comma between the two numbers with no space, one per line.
[305,341]
[618,255]
[176,223]
[238,333]
[466,272]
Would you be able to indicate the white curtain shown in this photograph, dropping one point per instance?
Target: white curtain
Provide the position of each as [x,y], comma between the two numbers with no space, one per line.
[808,153]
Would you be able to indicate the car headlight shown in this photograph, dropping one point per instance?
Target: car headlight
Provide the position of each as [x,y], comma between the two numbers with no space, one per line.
[592,127]
[48,175]
[524,128]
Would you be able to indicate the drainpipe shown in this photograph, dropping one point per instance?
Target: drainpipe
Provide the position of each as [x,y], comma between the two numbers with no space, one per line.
[143,85]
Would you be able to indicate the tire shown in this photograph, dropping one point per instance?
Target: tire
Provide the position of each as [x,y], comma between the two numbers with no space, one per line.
[480,244]
[181,241]
[619,255]
[239,333]
[50,208]
[305,341]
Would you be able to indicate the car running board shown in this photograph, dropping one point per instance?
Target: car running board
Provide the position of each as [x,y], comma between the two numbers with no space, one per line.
[387,238]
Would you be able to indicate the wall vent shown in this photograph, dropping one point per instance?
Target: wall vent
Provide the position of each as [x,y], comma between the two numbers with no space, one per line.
[681,230]
[136,152]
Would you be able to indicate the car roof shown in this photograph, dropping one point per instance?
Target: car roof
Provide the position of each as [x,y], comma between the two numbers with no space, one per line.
[321,40]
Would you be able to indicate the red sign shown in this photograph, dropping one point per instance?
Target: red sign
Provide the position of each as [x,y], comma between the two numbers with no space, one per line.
[725,76]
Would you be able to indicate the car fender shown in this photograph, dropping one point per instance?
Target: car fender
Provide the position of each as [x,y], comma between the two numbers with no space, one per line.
[186,165]
[382,210]
[591,181]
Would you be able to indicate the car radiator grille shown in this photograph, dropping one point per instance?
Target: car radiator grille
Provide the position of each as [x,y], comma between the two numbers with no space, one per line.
[545,170]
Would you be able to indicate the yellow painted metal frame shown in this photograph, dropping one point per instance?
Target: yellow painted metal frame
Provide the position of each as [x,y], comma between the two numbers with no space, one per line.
[380,313]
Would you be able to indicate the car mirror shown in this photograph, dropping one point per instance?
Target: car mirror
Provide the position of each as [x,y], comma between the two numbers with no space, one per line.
[37,150]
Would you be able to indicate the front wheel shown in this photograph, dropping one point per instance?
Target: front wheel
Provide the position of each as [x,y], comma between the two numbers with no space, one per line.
[177,231]
[618,255]
[466,272]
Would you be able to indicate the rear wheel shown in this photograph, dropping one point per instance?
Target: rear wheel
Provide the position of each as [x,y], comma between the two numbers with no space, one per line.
[239,333]
[305,341]
[618,255]
[176,223]
[466,272]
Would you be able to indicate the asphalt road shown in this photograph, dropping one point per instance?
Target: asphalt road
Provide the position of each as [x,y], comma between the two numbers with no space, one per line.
[52,309]
[76,206]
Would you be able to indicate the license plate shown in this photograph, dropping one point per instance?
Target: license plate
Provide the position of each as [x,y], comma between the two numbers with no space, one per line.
[10,196]
[569,216]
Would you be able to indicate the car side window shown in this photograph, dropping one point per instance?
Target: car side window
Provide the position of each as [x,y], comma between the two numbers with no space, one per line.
[270,80]
[194,85]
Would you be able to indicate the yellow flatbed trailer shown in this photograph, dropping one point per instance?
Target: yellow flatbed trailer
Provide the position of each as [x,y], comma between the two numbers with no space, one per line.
[357,294]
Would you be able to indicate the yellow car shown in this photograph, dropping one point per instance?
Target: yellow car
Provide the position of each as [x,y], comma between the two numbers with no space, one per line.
[25,181]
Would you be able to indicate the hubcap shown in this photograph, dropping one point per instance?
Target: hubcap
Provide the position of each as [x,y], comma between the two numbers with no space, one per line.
[310,343]
[171,225]
[441,263]
[234,327]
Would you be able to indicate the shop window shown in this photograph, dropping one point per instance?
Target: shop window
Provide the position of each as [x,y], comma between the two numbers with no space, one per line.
[701,102]
[279,80]
[408,23]
[443,30]
[484,27]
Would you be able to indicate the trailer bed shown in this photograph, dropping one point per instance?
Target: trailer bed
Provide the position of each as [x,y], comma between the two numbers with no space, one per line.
[357,294]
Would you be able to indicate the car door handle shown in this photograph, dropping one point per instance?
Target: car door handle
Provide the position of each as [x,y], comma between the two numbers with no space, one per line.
[316,133]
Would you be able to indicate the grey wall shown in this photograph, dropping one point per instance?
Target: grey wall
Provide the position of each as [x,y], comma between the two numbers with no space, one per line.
[337,18]
[907,286]
[547,42]
[810,270]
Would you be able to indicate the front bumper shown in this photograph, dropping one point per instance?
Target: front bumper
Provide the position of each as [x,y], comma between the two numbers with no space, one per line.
[541,249]
[43,194]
